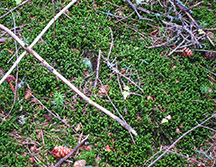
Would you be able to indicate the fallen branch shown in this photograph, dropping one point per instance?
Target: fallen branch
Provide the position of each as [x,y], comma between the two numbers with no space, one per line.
[51,69]
[194,21]
[97,69]
[173,144]
[13,9]
[135,9]
[37,39]
[70,153]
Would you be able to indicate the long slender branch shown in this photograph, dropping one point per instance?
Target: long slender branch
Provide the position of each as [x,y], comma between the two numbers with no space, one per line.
[51,69]
[37,39]
[97,69]
[167,150]
[17,70]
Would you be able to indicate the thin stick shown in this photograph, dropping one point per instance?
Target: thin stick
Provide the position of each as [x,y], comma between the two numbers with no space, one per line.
[208,128]
[111,100]
[116,109]
[51,69]
[201,50]
[167,150]
[41,132]
[209,70]
[135,9]
[56,116]
[37,39]
[195,5]
[17,71]
[111,45]
[176,48]
[13,9]
[35,157]
[192,19]
[97,69]
[70,153]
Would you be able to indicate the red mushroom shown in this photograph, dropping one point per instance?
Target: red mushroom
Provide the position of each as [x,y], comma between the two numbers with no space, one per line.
[9,79]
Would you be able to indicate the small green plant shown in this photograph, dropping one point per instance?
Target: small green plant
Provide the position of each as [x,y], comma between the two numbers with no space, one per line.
[89,156]
[58,100]
[204,89]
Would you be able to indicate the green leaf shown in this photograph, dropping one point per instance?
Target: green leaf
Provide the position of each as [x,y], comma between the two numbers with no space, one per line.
[201,31]
[126,88]
[18,1]
[125,94]
[164,120]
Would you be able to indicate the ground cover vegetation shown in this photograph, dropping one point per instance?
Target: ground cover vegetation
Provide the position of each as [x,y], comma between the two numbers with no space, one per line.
[144,75]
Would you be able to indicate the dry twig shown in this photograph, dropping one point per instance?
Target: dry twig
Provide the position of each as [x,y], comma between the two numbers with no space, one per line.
[69,154]
[13,9]
[37,39]
[97,69]
[173,144]
[51,69]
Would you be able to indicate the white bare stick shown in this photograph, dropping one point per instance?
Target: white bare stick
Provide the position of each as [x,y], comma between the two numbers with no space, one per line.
[51,69]
[13,9]
[36,40]
[97,69]
[173,144]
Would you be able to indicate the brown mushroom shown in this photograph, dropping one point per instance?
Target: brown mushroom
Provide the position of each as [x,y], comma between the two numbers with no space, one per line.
[9,79]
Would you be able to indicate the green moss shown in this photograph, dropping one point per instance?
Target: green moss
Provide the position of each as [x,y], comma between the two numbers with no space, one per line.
[182,92]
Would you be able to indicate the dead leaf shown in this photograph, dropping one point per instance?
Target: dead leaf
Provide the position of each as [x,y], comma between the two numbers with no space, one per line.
[181,126]
[79,163]
[178,131]
[138,117]
[11,51]
[107,148]
[149,98]
[34,149]
[28,94]
[103,90]
[168,117]
[31,159]
[33,100]
[88,147]
[154,32]
[39,134]
[123,70]
[78,126]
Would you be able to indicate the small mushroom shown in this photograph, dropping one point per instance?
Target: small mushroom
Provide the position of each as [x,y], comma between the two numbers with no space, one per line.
[9,79]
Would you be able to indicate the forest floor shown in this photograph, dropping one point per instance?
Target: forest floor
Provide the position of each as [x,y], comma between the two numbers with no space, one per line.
[136,83]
